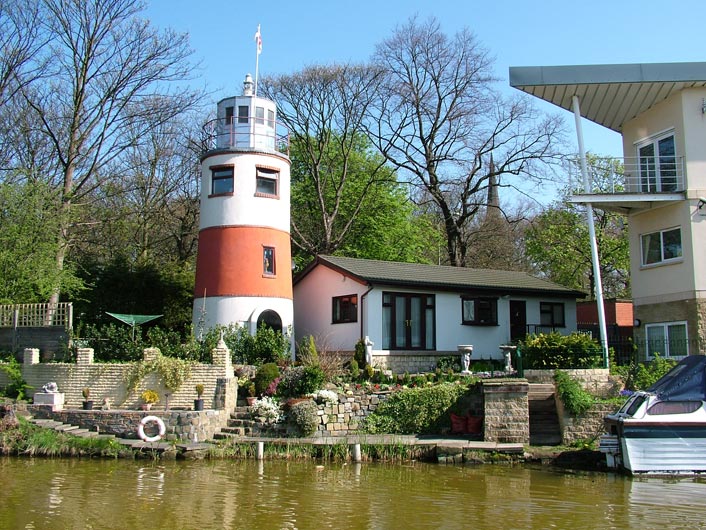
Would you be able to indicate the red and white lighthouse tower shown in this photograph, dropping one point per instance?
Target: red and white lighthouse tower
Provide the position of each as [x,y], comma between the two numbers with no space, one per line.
[244,262]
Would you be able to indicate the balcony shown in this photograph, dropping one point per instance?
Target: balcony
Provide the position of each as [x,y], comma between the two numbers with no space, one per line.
[625,184]
[247,134]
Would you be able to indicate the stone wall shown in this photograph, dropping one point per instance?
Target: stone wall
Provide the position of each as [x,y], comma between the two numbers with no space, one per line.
[184,426]
[411,362]
[597,381]
[588,426]
[109,381]
[506,411]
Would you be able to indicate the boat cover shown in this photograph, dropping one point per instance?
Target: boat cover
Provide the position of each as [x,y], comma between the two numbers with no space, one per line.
[685,382]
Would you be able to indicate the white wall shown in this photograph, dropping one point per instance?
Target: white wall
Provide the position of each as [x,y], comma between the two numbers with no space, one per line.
[313,309]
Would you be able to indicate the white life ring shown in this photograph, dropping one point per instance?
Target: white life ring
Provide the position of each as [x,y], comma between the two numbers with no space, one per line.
[141,429]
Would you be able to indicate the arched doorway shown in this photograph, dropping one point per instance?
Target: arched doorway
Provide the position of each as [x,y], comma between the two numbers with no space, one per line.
[270,319]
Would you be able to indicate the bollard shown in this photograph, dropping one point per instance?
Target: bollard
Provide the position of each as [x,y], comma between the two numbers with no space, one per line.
[356,453]
[260,450]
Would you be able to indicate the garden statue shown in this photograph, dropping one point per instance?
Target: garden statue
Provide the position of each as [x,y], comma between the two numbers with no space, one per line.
[368,351]
[508,361]
[466,350]
[50,388]
[106,404]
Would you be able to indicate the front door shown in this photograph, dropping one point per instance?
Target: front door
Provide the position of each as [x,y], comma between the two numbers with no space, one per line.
[518,320]
[408,321]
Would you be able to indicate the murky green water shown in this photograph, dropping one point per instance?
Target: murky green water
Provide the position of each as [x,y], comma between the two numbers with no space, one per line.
[58,494]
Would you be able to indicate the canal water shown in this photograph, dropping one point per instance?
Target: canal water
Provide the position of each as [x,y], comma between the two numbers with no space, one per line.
[88,494]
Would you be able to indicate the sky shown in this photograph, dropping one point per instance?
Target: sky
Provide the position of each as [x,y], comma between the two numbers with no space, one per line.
[516,32]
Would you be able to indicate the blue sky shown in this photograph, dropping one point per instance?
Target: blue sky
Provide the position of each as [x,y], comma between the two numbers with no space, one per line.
[517,33]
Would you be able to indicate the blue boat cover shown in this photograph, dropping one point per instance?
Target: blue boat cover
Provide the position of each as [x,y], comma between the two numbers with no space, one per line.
[685,382]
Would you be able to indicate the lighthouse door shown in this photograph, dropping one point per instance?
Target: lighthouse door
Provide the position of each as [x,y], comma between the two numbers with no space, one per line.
[270,319]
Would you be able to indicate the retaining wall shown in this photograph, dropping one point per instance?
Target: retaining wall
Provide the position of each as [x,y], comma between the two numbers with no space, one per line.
[587,426]
[506,412]
[597,381]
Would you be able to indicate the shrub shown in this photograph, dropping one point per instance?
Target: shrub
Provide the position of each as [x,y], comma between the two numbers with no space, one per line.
[307,353]
[355,371]
[576,400]
[641,376]
[304,417]
[289,383]
[267,409]
[415,410]
[368,372]
[265,375]
[449,363]
[359,354]
[149,396]
[312,380]
[18,387]
[553,350]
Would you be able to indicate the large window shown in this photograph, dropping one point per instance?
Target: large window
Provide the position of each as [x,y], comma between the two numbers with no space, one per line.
[479,311]
[408,321]
[267,182]
[658,164]
[243,113]
[260,115]
[669,339]
[221,180]
[229,115]
[268,261]
[552,314]
[662,246]
[345,309]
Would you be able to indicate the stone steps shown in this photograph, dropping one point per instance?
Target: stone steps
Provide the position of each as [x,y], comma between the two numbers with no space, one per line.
[74,430]
[543,417]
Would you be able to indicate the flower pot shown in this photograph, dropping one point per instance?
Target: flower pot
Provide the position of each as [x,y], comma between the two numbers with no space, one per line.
[88,405]
[198,404]
[146,406]
[251,400]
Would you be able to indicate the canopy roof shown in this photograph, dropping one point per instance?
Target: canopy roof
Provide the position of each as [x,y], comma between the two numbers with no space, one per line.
[686,381]
[609,94]
[132,320]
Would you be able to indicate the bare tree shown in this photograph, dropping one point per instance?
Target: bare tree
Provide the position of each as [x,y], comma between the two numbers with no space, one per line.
[324,108]
[111,81]
[439,120]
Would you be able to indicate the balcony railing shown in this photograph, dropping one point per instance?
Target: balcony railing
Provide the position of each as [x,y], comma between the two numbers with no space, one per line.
[634,175]
[246,133]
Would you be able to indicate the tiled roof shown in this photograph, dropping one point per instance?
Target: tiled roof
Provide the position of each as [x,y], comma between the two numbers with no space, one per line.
[443,277]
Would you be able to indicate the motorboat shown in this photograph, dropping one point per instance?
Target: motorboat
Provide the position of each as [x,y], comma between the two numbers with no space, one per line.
[662,430]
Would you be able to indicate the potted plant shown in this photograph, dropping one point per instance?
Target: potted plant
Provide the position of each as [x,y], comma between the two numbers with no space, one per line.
[149,397]
[249,389]
[87,402]
[198,402]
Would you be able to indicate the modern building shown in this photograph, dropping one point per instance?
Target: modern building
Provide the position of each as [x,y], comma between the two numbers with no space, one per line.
[412,310]
[660,111]
[244,267]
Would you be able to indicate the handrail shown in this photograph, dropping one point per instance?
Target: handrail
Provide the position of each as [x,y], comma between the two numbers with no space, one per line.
[246,133]
[630,175]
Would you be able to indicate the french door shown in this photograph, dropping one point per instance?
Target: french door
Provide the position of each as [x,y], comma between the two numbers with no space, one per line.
[408,321]
[658,165]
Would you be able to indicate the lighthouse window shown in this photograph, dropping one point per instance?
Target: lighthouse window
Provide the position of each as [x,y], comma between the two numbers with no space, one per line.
[268,260]
[229,115]
[260,115]
[242,114]
[271,118]
[266,184]
[221,180]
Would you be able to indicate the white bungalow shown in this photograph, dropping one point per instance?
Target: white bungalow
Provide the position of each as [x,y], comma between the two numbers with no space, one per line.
[414,314]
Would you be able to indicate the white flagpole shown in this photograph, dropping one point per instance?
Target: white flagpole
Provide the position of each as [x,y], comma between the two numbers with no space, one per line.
[258,49]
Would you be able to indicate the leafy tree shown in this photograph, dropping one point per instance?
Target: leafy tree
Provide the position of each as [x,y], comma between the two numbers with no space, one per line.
[441,122]
[110,79]
[558,245]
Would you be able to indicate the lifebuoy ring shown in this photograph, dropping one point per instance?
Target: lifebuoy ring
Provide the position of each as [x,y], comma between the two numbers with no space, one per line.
[141,429]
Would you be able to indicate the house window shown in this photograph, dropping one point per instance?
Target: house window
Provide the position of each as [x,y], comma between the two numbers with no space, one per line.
[345,309]
[271,118]
[479,311]
[267,180]
[268,261]
[260,115]
[662,246]
[221,180]
[669,339]
[658,164]
[242,114]
[229,115]
[408,321]
[551,314]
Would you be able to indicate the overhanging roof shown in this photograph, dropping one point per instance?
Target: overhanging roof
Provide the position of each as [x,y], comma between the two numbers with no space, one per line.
[439,277]
[609,94]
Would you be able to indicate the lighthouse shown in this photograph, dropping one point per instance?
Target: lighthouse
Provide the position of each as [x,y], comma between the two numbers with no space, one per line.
[244,261]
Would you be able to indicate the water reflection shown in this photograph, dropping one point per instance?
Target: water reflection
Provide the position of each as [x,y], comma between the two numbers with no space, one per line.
[253,495]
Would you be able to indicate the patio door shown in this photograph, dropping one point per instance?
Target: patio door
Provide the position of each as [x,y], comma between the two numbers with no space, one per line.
[518,320]
[408,321]
[658,168]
